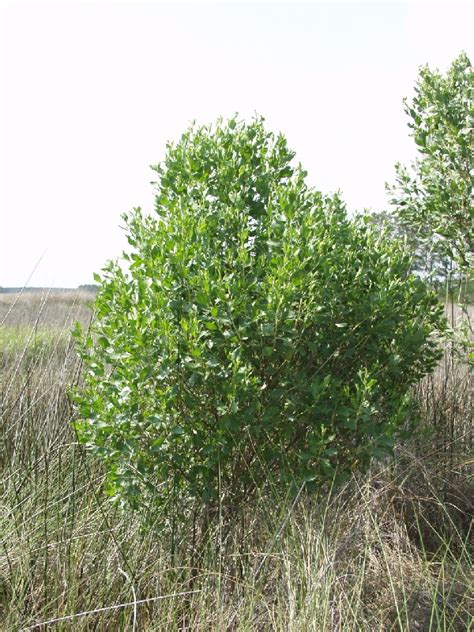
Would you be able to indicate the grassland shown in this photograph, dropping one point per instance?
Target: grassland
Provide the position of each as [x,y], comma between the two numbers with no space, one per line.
[392,550]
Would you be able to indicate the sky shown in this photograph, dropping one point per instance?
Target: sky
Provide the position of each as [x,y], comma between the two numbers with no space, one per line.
[91,92]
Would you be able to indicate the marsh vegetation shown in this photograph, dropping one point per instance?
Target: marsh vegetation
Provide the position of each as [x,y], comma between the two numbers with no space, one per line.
[264,420]
[389,550]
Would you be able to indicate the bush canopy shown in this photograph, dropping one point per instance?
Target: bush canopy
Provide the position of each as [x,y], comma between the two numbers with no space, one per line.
[255,334]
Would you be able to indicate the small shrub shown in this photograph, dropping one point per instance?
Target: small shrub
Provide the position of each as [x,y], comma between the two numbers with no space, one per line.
[256,334]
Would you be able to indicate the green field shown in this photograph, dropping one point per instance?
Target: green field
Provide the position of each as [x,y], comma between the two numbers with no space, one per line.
[391,550]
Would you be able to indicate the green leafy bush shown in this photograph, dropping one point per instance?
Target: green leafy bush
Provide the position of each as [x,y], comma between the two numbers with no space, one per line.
[256,334]
[434,196]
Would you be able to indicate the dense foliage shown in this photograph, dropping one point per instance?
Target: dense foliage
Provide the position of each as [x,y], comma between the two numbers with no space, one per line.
[434,196]
[256,334]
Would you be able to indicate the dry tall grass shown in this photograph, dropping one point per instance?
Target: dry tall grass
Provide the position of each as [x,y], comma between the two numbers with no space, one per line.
[389,551]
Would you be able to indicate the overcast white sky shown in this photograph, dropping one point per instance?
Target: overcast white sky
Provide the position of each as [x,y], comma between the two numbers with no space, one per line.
[91,92]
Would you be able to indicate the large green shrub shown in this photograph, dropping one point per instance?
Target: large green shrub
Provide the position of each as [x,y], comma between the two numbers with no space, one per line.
[256,333]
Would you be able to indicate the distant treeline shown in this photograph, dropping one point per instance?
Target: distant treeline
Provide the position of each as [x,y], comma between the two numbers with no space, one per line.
[36,290]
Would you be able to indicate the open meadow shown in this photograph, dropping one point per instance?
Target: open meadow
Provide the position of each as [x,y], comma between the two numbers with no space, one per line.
[390,550]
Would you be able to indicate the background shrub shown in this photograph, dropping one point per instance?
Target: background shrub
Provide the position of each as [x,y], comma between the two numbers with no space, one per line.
[257,334]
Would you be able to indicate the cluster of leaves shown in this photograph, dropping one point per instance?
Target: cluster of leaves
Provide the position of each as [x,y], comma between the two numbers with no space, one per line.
[433,199]
[257,333]
[434,196]
[428,260]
